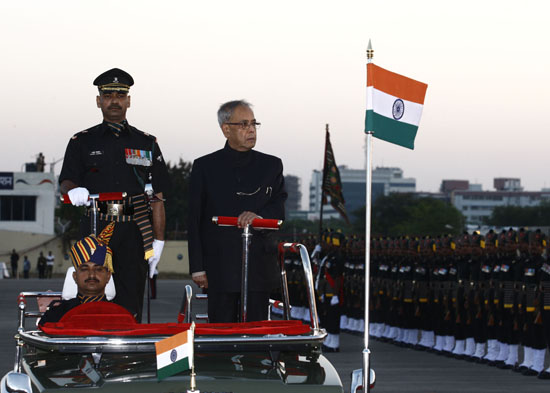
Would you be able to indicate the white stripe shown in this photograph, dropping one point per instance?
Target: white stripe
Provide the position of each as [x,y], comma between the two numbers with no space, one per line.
[185,350]
[382,103]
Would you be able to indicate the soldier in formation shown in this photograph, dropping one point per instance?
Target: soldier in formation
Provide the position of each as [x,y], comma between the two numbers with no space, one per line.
[481,298]
[473,297]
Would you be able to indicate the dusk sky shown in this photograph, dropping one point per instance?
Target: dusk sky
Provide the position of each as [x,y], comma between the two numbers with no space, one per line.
[302,65]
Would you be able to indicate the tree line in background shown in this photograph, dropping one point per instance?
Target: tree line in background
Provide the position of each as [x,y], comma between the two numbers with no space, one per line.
[398,214]
[521,216]
[393,215]
[177,200]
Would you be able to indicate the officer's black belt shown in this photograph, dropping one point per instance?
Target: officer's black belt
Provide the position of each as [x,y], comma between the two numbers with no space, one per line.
[133,209]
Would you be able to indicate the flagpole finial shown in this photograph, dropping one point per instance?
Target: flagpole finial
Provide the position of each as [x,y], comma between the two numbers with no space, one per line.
[370,52]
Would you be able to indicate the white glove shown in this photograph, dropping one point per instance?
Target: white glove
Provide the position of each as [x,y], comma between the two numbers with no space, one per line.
[79,196]
[158,245]
[334,301]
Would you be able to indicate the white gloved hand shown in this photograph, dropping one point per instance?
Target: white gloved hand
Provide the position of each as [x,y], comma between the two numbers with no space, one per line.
[334,301]
[158,245]
[79,196]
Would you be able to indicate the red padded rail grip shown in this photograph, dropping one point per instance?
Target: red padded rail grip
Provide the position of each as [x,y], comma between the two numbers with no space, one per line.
[111,196]
[266,223]
[102,196]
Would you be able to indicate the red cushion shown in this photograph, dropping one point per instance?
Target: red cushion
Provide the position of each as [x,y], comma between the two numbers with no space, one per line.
[98,315]
[109,319]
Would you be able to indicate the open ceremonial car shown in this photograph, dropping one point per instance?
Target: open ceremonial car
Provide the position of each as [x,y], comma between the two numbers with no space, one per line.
[99,347]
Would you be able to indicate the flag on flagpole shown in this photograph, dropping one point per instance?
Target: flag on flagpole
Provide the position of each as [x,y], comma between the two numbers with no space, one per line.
[332,185]
[174,354]
[394,106]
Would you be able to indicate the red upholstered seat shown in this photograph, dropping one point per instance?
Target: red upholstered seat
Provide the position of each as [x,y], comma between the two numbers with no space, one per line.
[109,319]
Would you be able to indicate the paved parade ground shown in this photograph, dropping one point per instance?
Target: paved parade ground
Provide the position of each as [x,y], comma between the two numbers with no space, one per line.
[397,369]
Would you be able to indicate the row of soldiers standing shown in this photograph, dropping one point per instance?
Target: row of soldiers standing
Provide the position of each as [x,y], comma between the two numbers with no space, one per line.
[339,275]
[474,297]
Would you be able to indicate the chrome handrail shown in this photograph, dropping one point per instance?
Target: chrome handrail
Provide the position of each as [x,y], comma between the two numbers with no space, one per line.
[246,235]
[23,314]
[124,344]
[188,298]
[308,273]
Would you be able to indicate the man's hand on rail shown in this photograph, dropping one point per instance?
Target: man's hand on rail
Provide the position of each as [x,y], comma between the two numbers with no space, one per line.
[201,280]
[246,218]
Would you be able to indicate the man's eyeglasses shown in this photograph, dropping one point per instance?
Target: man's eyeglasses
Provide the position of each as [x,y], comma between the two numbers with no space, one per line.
[243,125]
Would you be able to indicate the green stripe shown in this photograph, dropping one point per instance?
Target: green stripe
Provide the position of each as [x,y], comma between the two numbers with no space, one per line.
[174,368]
[390,130]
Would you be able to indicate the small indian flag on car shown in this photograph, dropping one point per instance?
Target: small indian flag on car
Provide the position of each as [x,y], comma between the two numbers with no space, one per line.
[394,106]
[175,354]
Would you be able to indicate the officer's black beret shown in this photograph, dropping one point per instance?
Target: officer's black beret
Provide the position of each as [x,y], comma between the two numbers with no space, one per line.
[114,80]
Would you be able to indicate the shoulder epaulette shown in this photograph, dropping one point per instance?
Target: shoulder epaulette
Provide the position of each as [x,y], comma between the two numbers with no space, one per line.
[143,133]
[75,136]
[79,134]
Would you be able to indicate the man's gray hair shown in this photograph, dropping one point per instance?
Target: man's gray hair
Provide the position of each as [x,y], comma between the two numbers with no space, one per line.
[226,110]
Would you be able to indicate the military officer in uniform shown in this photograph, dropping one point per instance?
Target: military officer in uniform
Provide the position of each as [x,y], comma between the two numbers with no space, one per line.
[424,293]
[116,157]
[533,338]
[235,181]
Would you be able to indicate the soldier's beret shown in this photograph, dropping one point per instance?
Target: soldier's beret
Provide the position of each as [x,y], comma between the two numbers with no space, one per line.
[114,80]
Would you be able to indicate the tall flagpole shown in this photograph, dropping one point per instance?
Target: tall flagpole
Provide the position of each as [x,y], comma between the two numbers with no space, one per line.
[368,181]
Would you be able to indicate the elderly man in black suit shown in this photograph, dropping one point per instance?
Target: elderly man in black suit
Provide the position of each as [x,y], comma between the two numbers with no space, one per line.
[242,182]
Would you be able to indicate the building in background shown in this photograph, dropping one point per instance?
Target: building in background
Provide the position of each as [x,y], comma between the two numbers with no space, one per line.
[477,205]
[448,186]
[385,180]
[27,202]
[293,188]
[469,198]
[507,184]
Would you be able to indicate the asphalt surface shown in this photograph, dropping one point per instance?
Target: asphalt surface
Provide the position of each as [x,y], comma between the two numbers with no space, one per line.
[397,369]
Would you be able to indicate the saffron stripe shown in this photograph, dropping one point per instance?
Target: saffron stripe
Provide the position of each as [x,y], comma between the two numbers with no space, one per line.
[171,342]
[395,84]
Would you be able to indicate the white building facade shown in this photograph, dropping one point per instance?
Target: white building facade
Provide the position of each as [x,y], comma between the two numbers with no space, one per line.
[27,202]
[476,206]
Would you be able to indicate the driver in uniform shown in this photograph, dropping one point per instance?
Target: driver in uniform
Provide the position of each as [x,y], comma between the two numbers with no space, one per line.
[116,157]
[92,259]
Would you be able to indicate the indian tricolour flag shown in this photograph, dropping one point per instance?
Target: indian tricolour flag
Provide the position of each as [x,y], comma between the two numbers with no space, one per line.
[174,354]
[394,106]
